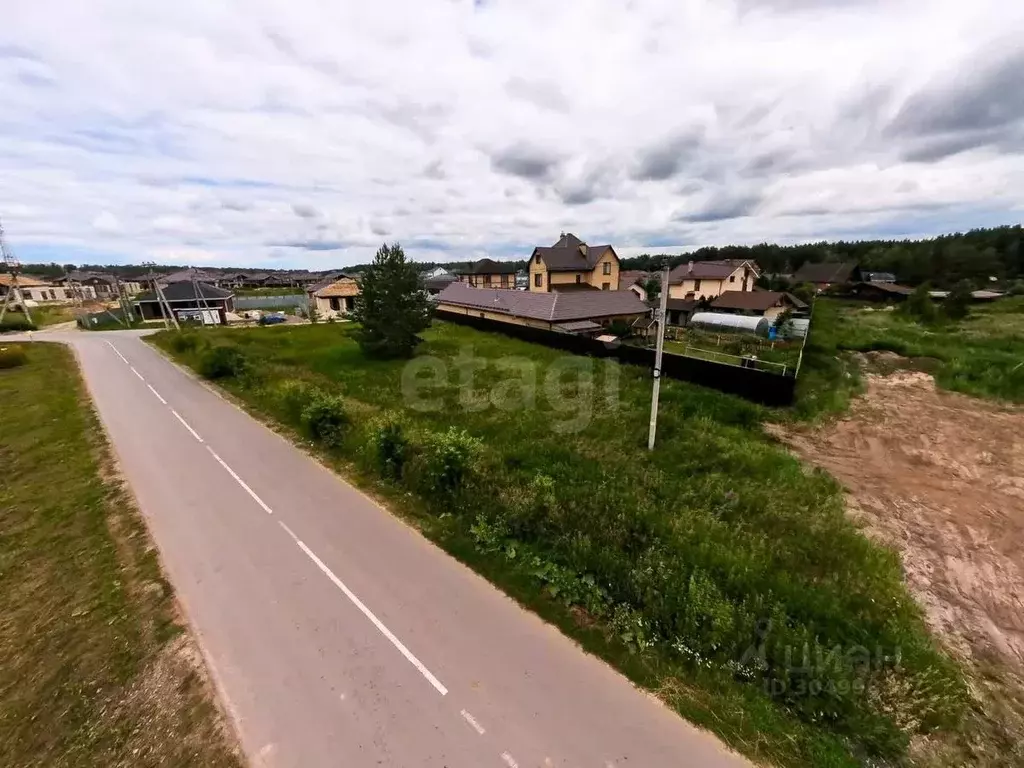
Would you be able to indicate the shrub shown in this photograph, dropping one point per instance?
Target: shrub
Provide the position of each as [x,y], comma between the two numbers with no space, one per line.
[16,324]
[390,446]
[221,362]
[919,306]
[184,342]
[449,459]
[1017,289]
[325,418]
[620,328]
[958,304]
[293,395]
[12,357]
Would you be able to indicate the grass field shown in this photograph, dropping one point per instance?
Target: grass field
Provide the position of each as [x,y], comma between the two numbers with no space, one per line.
[982,355]
[95,670]
[283,291]
[716,571]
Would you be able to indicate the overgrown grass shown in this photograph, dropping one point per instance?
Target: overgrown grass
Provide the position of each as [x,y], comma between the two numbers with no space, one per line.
[716,570]
[281,291]
[982,355]
[93,672]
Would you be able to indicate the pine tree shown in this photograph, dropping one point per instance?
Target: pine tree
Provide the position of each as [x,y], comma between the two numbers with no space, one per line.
[391,306]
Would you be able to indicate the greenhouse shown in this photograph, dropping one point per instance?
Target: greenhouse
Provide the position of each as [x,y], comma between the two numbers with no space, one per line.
[725,323]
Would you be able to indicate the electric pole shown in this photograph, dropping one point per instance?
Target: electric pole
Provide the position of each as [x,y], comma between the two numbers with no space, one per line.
[662,314]
[161,300]
[13,266]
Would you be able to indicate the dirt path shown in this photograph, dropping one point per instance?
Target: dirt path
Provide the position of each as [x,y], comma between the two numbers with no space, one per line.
[940,477]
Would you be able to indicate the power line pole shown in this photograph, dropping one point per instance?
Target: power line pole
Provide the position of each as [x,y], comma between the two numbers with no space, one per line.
[13,266]
[662,314]
[161,300]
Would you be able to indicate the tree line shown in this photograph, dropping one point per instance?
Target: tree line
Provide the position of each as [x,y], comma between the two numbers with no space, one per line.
[944,261]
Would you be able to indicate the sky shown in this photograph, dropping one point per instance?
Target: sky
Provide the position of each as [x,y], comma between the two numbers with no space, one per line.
[305,134]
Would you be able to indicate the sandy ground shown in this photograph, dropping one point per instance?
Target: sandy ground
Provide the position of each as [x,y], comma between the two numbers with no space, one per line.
[940,476]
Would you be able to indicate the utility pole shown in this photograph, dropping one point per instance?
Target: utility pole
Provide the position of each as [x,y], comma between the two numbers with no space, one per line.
[200,297]
[662,314]
[13,266]
[161,300]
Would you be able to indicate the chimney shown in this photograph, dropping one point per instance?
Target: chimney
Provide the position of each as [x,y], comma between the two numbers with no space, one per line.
[689,267]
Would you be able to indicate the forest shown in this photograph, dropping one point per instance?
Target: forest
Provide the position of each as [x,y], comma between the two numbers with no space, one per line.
[975,256]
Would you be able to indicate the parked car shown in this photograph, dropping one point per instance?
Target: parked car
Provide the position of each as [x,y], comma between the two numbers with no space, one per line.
[274,319]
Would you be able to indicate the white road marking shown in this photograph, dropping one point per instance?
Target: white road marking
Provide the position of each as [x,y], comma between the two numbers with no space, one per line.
[118,352]
[472,721]
[136,372]
[376,622]
[289,531]
[186,425]
[509,760]
[158,397]
[241,482]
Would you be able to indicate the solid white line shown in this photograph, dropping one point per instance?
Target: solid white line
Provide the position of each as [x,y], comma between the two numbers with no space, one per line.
[158,397]
[376,622]
[240,481]
[472,721]
[118,352]
[185,423]
[136,372]
[509,760]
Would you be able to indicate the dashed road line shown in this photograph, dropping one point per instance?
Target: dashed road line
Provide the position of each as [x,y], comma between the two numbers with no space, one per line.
[288,530]
[186,425]
[376,622]
[240,481]
[473,722]
[509,760]
[136,372]
[117,351]
[158,396]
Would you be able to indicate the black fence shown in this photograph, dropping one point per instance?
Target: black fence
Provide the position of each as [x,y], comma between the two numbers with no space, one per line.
[754,384]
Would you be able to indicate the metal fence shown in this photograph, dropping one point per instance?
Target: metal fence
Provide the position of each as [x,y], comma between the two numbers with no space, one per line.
[299,300]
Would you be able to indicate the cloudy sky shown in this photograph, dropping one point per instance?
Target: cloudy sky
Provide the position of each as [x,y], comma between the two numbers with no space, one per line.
[305,133]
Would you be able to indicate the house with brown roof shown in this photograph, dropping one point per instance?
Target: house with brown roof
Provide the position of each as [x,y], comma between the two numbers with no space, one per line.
[566,311]
[825,274]
[707,279]
[571,264]
[633,280]
[488,273]
[334,296]
[768,304]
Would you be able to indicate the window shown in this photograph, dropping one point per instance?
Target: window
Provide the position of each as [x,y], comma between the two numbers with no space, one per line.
[53,295]
[334,303]
[732,278]
[607,268]
[538,280]
[606,286]
[696,285]
[579,279]
[536,259]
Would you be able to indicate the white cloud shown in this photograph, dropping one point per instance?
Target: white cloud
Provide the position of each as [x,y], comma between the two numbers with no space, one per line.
[305,133]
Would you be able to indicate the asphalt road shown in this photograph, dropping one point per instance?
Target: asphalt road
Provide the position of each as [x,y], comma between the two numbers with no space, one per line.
[337,635]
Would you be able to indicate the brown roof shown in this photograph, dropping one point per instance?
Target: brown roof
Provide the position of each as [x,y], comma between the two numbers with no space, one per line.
[550,307]
[328,280]
[566,287]
[629,277]
[707,270]
[343,286]
[900,290]
[490,267]
[757,301]
[570,254]
[23,280]
[827,272]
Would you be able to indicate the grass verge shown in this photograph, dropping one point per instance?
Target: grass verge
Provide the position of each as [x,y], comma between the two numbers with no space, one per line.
[96,669]
[716,571]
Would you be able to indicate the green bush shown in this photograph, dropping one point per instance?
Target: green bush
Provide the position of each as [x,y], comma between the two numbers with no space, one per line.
[184,342]
[222,362]
[12,357]
[292,396]
[16,324]
[325,418]
[1017,289]
[389,446]
[449,459]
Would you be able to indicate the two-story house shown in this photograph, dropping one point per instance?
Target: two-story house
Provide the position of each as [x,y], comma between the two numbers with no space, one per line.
[707,279]
[571,264]
[488,273]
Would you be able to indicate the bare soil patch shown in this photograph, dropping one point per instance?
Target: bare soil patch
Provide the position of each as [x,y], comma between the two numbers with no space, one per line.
[940,477]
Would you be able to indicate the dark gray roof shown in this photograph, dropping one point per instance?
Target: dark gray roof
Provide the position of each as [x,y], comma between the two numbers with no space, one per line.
[550,307]
[575,326]
[490,267]
[580,258]
[188,274]
[827,272]
[185,290]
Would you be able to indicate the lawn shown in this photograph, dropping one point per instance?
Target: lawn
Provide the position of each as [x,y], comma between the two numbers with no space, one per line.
[982,355]
[95,670]
[282,291]
[716,571]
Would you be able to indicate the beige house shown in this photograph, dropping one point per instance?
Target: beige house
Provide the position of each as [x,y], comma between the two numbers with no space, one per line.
[570,264]
[488,273]
[708,279]
[39,292]
[333,297]
[578,312]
